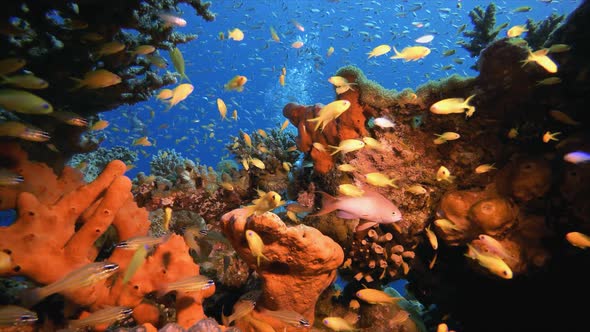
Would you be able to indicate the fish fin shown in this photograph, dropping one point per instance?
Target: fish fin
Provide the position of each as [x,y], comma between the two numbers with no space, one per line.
[328,202]
[365,226]
[224,318]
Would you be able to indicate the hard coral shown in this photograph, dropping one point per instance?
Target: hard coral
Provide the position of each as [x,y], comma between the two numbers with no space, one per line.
[62,228]
[484,30]
[301,262]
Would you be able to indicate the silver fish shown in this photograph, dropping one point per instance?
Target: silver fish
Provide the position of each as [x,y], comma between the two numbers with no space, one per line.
[371,206]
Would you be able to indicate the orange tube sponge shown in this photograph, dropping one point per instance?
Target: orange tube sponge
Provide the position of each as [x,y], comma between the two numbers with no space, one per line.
[60,218]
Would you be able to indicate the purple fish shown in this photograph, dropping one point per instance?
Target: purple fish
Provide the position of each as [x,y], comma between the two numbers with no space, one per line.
[577,157]
[372,206]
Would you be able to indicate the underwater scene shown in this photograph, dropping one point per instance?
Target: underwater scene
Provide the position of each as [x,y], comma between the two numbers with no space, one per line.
[294,165]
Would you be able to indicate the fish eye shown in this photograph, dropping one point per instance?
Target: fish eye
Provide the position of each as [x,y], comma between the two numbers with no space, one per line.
[326,321]
[28,318]
[45,106]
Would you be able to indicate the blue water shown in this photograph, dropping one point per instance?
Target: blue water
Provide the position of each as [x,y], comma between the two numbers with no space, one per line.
[194,127]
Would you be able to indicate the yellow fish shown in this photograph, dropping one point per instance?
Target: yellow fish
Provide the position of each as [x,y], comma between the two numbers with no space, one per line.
[167,217]
[549,136]
[247,139]
[179,94]
[23,102]
[96,79]
[443,174]
[235,34]
[222,108]
[256,245]
[165,94]
[330,112]
[350,190]
[236,83]
[516,31]
[266,201]
[416,189]
[337,324]
[446,136]
[431,237]
[453,105]
[135,263]
[143,50]
[108,49]
[234,115]
[376,296]
[347,145]
[257,163]
[26,81]
[484,168]
[540,58]
[10,65]
[346,168]
[282,80]
[578,239]
[273,35]
[380,180]
[411,53]
[373,143]
[284,125]
[178,62]
[99,125]
[379,50]
[330,51]
[143,141]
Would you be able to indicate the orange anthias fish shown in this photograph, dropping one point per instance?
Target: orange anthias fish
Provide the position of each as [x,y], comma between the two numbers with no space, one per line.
[237,83]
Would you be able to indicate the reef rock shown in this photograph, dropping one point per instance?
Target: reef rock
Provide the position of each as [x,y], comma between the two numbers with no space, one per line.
[301,263]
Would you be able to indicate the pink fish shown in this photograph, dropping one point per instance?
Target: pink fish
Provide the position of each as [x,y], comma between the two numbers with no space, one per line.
[371,206]
[173,20]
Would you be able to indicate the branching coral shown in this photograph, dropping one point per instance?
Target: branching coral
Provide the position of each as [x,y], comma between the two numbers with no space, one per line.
[62,227]
[92,163]
[274,150]
[484,29]
[538,32]
[166,164]
[72,36]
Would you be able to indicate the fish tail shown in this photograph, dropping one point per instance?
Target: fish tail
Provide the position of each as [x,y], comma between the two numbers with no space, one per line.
[186,77]
[336,149]
[397,55]
[328,204]
[31,297]
[224,318]
[317,121]
[469,99]
[78,85]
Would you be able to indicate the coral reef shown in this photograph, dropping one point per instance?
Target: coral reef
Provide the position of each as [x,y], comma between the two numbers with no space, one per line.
[83,212]
[273,149]
[77,38]
[301,263]
[166,163]
[91,164]
[484,29]
[538,32]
